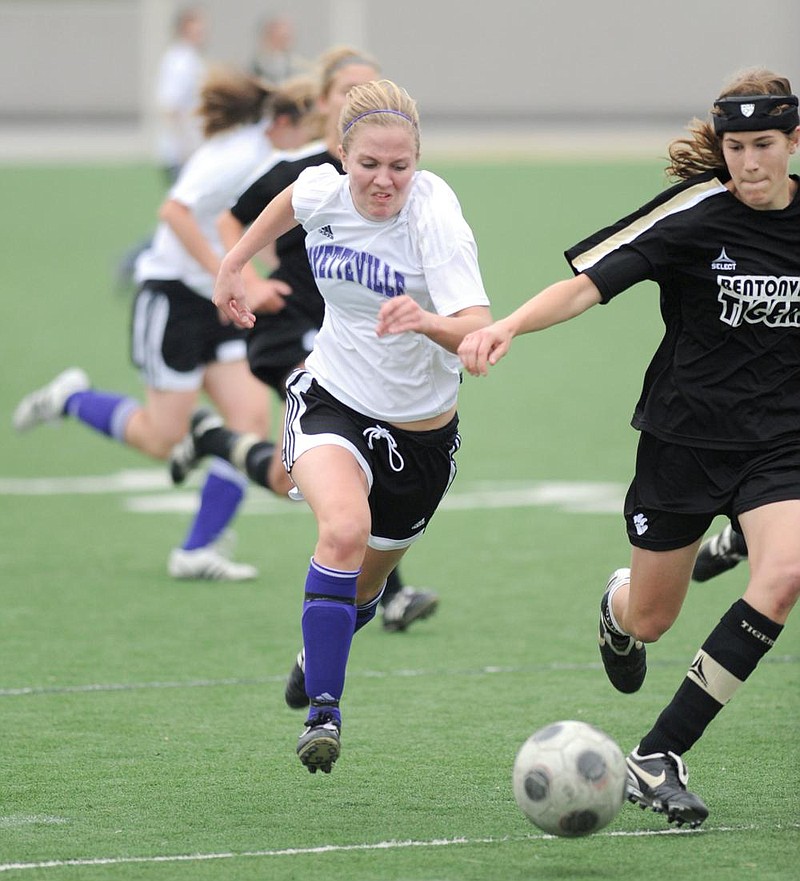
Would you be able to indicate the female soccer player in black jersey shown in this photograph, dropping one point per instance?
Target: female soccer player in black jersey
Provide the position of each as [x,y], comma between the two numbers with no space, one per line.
[719,413]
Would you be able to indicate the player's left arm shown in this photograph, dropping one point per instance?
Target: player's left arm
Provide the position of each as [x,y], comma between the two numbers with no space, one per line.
[403,314]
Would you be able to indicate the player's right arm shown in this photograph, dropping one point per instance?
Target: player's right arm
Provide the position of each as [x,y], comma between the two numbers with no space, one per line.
[229,292]
[263,294]
[557,303]
[180,218]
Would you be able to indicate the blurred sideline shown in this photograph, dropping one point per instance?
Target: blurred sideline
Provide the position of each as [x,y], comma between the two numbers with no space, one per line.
[48,143]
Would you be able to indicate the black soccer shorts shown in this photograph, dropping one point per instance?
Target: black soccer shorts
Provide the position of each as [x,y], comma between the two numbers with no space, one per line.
[408,472]
[678,490]
[176,333]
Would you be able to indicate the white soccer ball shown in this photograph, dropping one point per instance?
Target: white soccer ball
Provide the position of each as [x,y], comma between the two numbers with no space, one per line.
[569,778]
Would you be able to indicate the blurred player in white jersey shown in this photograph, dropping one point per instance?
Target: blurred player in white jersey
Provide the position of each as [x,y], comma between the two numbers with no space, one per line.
[181,73]
[179,343]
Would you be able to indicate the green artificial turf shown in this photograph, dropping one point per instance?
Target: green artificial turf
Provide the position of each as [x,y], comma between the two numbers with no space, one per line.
[143,733]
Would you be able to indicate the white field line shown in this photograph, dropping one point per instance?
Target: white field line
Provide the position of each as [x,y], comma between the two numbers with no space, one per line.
[490,670]
[17,821]
[343,848]
[148,491]
[132,480]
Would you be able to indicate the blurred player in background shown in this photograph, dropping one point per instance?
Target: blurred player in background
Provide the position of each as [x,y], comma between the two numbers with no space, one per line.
[719,553]
[371,427]
[719,413]
[181,73]
[275,59]
[179,342]
[178,125]
[280,341]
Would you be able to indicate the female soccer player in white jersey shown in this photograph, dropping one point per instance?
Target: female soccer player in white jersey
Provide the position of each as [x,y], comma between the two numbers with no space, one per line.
[179,343]
[719,413]
[371,427]
[280,341]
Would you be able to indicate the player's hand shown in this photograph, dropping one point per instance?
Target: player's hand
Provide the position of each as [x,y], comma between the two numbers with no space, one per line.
[266,295]
[229,297]
[483,348]
[400,315]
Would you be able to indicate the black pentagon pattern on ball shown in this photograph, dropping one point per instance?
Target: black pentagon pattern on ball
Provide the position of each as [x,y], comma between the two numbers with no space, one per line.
[537,784]
[579,823]
[547,733]
[591,766]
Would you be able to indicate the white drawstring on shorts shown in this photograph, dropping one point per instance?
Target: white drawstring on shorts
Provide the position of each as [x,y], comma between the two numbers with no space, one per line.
[376,432]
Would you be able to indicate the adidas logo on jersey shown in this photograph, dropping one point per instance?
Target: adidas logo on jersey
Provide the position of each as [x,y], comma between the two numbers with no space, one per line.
[723,261]
[326,231]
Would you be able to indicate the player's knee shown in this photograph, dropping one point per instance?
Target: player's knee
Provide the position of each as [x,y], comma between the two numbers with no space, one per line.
[776,592]
[345,541]
[789,592]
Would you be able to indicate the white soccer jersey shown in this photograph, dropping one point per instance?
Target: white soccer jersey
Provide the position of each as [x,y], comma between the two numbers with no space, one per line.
[210,182]
[427,251]
[180,77]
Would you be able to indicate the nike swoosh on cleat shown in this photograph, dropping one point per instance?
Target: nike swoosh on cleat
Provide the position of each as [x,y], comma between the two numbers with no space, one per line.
[652,781]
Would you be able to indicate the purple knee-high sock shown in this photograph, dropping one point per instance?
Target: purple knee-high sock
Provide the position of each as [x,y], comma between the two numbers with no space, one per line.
[106,412]
[329,617]
[220,498]
[366,612]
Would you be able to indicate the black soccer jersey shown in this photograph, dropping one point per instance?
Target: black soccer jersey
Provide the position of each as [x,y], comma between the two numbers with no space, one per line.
[727,372]
[305,304]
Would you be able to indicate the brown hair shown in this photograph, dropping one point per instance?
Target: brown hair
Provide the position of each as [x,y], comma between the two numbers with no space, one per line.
[229,97]
[702,150]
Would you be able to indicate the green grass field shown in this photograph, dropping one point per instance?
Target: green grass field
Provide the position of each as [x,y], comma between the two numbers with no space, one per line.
[143,733]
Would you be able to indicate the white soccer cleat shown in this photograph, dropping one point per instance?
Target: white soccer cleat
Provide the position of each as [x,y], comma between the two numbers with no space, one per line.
[207,564]
[408,605]
[47,403]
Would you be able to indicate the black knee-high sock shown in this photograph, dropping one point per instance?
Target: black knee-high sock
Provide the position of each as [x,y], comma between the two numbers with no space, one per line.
[393,586]
[246,452]
[217,442]
[257,461]
[729,655]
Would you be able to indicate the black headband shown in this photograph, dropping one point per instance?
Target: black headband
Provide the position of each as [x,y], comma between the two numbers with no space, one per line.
[751,113]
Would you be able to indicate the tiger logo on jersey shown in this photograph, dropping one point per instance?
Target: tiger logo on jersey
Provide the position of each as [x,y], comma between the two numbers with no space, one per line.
[759,299]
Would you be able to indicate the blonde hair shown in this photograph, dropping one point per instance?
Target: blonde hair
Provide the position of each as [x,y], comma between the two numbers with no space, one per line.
[297,99]
[380,102]
[702,150]
[335,59]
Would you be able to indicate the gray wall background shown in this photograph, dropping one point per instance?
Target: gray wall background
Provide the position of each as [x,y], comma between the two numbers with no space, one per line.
[518,62]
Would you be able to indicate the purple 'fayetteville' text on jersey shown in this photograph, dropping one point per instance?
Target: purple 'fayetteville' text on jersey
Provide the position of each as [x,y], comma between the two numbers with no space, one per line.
[335,261]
